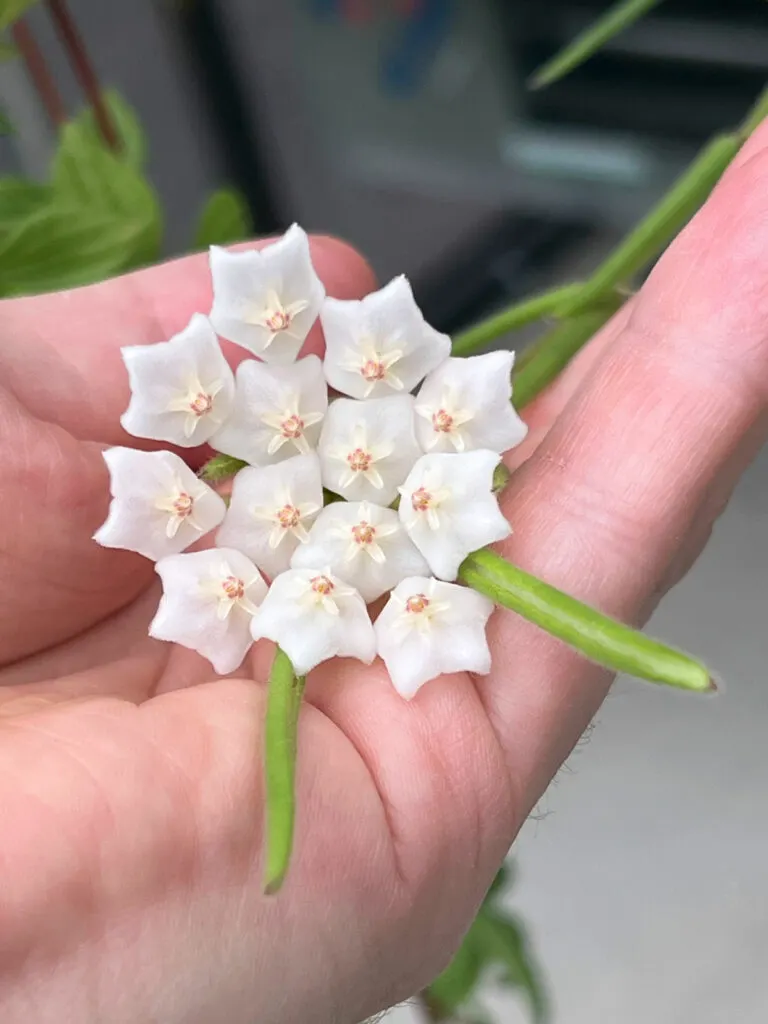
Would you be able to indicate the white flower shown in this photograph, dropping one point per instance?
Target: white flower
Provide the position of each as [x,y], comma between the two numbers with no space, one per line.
[364,544]
[159,507]
[181,390]
[270,510]
[207,603]
[267,301]
[314,616]
[428,628]
[448,508]
[366,448]
[466,404]
[380,344]
[277,411]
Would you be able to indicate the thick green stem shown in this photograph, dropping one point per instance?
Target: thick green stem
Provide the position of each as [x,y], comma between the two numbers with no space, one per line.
[510,319]
[600,638]
[283,705]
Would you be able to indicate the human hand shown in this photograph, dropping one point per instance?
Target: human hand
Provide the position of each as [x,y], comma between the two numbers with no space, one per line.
[130,782]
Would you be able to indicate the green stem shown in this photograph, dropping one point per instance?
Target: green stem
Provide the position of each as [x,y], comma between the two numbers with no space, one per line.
[600,638]
[551,353]
[280,745]
[521,313]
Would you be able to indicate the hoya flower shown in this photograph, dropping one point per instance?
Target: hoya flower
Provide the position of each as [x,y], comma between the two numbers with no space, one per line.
[466,404]
[270,511]
[314,616]
[428,628]
[208,600]
[159,507]
[381,344]
[277,411]
[367,448]
[267,301]
[181,390]
[364,544]
[449,510]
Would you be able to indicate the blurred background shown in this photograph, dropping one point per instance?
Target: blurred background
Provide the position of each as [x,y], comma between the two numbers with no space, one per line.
[405,126]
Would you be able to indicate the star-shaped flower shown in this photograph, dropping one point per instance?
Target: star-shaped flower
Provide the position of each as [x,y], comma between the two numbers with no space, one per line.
[159,507]
[366,448]
[268,300]
[428,628]
[314,616]
[381,344]
[270,511]
[277,411]
[208,600]
[364,544]
[466,404]
[449,510]
[181,390]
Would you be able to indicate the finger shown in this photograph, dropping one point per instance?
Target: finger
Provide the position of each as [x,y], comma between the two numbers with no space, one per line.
[611,496]
[60,353]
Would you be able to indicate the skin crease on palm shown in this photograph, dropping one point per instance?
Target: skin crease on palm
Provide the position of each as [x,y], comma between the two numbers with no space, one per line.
[130,779]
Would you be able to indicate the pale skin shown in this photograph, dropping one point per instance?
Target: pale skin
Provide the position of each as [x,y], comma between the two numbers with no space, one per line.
[130,782]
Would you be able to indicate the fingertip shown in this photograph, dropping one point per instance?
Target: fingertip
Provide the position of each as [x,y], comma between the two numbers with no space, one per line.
[345,272]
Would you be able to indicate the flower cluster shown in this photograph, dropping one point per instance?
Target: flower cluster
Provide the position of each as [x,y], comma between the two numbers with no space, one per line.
[410,478]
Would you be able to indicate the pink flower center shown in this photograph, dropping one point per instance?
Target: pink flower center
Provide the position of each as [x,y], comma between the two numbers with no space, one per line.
[183,505]
[321,585]
[288,516]
[292,427]
[417,604]
[278,321]
[442,421]
[373,370]
[201,403]
[359,460]
[421,500]
[363,533]
[233,587]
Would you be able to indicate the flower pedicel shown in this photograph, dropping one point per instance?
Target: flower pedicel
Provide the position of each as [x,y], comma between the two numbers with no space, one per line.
[410,478]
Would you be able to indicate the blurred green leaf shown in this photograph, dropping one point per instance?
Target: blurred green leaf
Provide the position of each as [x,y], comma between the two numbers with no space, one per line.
[133,141]
[225,218]
[502,942]
[19,198]
[7,50]
[453,988]
[62,247]
[12,10]
[88,175]
[6,125]
[616,19]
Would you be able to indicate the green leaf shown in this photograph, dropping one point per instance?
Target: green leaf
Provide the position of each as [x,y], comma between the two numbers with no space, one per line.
[133,141]
[451,989]
[86,174]
[600,638]
[221,467]
[500,884]
[501,940]
[7,50]
[62,247]
[225,218]
[280,748]
[12,10]
[616,19]
[19,198]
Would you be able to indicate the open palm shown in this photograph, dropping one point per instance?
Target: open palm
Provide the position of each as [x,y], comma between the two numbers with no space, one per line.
[130,779]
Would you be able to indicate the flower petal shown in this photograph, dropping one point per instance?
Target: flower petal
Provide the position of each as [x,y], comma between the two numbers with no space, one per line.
[276,408]
[142,518]
[466,404]
[449,510]
[385,331]
[453,640]
[261,491]
[299,620]
[381,428]
[248,286]
[189,612]
[181,390]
